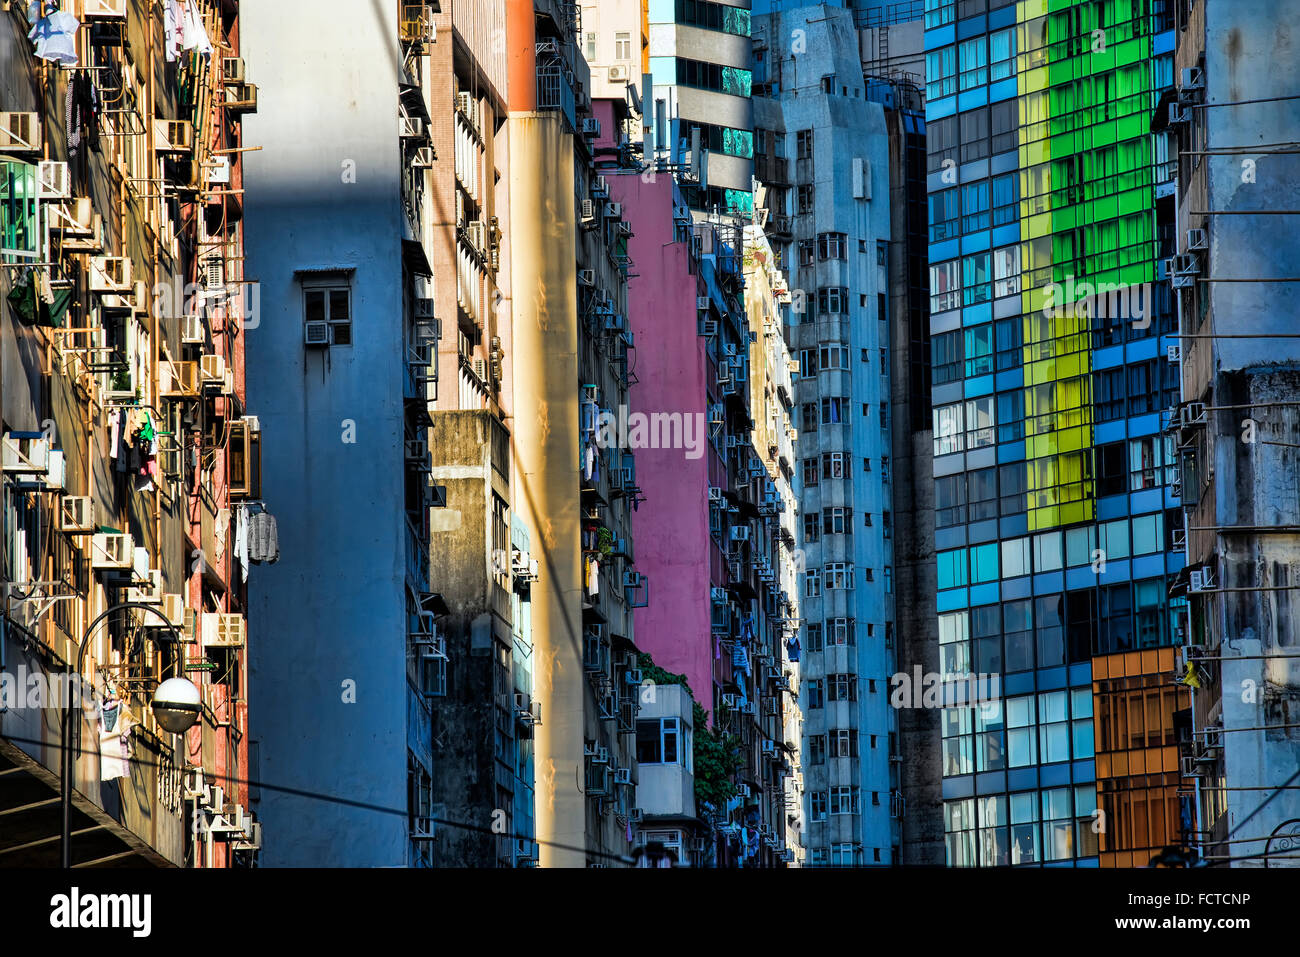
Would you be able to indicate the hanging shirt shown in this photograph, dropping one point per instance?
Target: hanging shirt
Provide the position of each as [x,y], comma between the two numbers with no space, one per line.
[172,19]
[55,38]
[114,741]
[196,37]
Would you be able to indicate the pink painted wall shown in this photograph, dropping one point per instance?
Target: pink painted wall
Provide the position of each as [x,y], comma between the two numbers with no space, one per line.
[671,529]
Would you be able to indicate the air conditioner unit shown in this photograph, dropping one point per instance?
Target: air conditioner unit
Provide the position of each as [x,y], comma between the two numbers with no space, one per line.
[1202,579]
[232,69]
[1197,240]
[1188,767]
[316,333]
[110,274]
[618,74]
[588,211]
[20,132]
[173,136]
[1179,114]
[623,776]
[410,127]
[708,328]
[586,277]
[148,594]
[590,127]
[1187,264]
[1178,540]
[729,701]
[600,755]
[241,98]
[480,368]
[252,841]
[1192,78]
[221,630]
[212,368]
[173,608]
[740,533]
[417,451]
[600,188]
[423,157]
[76,513]
[52,181]
[112,551]
[624,228]
[1193,413]
[1175,353]
[101,10]
[614,210]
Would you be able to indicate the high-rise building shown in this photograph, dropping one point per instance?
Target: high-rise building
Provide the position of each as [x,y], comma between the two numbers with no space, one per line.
[576,485]
[1054,503]
[339,233]
[1230,260]
[129,476]
[823,154]
[698,102]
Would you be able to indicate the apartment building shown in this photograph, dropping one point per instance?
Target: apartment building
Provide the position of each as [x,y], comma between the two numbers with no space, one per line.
[340,232]
[131,502]
[576,478]
[822,151]
[1055,506]
[1229,258]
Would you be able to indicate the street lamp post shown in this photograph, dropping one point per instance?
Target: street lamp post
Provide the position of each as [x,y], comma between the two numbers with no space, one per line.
[174,712]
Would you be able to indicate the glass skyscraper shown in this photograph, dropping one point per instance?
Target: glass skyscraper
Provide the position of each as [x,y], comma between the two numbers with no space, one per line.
[1056,515]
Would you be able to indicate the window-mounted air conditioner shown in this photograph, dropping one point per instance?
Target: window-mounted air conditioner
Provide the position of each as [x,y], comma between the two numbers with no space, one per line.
[586,277]
[212,369]
[76,514]
[614,210]
[110,274]
[112,551]
[1197,240]
[52,181]
[590,127]
[20,132]
[232,69]
[316,334]
[101,9]
[1201,579]
[173,136]
[221,630]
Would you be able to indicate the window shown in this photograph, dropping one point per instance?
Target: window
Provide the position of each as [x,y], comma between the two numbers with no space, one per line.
[974,63]
[840,631]
[817,805]
[941,73]
[1022,746]
[954,644]
[951,568]
[807,252]
[982,494]
[949,430]
[835,410]
[1018,635]
[812,583]
[811,530]
[809,416]
[622,46]
[938,12]
[979,350]
[835,465]
[842,743]
[817,749]
[1002,54]
[940,143]
[713,76]
[974,141]
[807,363]
[842,687]
[945,286]
[804,144]
[1007,337]
[659,741]
[330,304]
[816,693]
[946,356]
[980,422]
[713,16]
[976,287]
[805,198]
[809,472]
[950,500]
[975,206]
[839,575]
[591,48]
[1006,271]
[1012,486]
[832,300]
[837,520]
[944,214]
[832,246]
[1005,191]
[1011,416]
